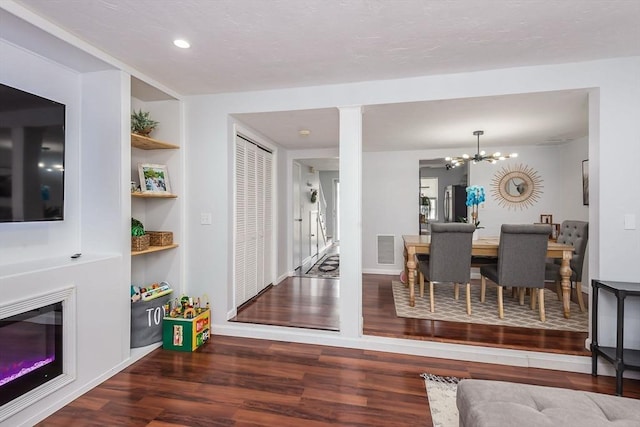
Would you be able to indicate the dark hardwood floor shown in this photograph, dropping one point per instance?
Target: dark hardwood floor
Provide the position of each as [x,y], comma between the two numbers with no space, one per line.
[313,303]
[380,319]
[301,302]
[249,382]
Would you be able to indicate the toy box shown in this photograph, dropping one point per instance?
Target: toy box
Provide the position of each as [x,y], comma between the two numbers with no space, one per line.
[183,334]
[146,321]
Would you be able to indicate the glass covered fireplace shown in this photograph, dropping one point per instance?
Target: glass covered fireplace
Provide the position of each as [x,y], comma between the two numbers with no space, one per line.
[30,350]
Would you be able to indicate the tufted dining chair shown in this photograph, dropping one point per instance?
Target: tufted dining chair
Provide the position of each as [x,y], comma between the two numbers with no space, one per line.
[521,262]
[576,234]
[449,259]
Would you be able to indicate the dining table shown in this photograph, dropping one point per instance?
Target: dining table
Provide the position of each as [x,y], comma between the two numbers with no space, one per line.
[486,247]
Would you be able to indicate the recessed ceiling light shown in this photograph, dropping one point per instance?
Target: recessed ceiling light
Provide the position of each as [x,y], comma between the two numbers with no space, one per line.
[182,44]
[305,132]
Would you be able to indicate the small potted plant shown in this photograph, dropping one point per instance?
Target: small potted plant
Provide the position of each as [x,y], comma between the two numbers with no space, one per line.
[141,123]
[139,238]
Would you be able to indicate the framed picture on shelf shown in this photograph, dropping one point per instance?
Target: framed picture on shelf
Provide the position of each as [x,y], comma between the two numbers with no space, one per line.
[154,178]
[546,219]
[555,231]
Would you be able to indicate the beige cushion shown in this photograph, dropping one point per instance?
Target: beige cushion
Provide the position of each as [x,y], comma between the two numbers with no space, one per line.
[497,403]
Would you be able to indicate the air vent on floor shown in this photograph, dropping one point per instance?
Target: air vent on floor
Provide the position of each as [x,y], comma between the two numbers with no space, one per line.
[386,249]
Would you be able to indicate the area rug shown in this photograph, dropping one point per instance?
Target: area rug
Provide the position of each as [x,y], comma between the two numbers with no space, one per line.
[451,310]
[327,266]
[441,392]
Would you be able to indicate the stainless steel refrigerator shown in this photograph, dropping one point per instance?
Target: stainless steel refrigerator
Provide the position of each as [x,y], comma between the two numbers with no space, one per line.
[455,198]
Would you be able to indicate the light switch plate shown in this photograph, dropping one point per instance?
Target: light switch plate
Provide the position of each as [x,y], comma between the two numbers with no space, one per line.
[205,218]
[629,221]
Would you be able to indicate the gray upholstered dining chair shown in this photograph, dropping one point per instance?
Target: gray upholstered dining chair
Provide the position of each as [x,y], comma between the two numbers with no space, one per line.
[576,234]
[521,262]
[449,259]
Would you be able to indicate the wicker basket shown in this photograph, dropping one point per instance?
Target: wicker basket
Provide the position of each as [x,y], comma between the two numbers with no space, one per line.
[160,238]
[140,243]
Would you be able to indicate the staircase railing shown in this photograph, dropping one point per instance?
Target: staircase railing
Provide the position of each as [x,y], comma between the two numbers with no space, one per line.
[322,211]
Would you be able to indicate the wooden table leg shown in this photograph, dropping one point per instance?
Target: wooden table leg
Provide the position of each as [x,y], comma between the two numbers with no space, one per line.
[406,269]
[411,269]
[565,273]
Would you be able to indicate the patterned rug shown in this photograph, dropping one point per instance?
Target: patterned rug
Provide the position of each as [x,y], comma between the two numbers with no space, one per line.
[327,266]
[441,392]
[449,309]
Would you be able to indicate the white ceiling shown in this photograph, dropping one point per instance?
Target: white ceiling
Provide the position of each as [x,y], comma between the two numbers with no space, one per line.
[242,45]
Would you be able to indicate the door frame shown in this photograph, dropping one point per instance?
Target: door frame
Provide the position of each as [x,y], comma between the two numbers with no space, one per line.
[296,243]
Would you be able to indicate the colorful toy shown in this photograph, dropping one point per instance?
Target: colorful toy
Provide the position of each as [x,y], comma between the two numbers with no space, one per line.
[135,293]
[156,291]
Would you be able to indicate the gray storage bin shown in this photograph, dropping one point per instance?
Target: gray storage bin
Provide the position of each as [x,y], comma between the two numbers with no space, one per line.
[146,321]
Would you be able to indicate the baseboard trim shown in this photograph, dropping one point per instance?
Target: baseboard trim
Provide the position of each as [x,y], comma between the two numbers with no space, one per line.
[469,353]
[65,400]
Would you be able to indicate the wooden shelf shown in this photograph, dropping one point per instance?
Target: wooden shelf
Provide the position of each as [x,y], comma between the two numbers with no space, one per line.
[146,143]
[154,195]
[154,249]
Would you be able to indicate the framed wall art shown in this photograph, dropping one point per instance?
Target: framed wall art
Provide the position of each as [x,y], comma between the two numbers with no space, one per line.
[154,178]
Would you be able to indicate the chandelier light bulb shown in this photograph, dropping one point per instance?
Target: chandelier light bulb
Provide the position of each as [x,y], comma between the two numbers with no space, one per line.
[514,155]
[465,156]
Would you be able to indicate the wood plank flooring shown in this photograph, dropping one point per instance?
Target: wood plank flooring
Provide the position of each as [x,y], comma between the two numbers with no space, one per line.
[380,319]
[301,302]
[313,303]
[248,382]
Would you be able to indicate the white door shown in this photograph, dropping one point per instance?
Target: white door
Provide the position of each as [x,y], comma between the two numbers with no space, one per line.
[297,217]
[313,233]
[253,220]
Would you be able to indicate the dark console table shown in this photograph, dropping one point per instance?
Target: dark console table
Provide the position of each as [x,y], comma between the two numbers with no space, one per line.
[620,357]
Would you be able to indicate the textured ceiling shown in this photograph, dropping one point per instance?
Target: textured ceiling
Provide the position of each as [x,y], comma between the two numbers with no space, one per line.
[528,119]
[242,45]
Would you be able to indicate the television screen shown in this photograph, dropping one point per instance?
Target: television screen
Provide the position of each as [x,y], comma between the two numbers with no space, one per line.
[31,157]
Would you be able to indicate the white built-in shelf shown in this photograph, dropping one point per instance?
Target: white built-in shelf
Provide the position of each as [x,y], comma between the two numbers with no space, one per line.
[146,143]
[154,249]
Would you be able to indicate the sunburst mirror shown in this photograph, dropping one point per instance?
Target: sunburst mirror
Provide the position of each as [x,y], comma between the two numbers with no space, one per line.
[516,186]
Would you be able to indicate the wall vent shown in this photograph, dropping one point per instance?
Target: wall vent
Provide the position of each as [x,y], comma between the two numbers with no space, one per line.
[386,249]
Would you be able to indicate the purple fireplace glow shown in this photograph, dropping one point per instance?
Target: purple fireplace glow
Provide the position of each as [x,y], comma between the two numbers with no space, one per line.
[30,350]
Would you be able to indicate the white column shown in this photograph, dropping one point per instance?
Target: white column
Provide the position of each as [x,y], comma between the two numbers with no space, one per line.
[351,221]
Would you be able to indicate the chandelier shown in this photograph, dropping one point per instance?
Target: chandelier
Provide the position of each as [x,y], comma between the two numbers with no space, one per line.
[453,162]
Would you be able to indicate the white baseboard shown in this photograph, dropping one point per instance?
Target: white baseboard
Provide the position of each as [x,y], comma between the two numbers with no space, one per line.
[386,271]
[137,354]
[462,352]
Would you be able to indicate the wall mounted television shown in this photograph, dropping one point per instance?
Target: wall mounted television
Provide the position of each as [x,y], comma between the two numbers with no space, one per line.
[32,141]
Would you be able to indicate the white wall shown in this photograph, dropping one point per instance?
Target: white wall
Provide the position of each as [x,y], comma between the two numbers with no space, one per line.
[97,346]
[617,86]
[30,73]
[391,205]
[559,171]
[34,257]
